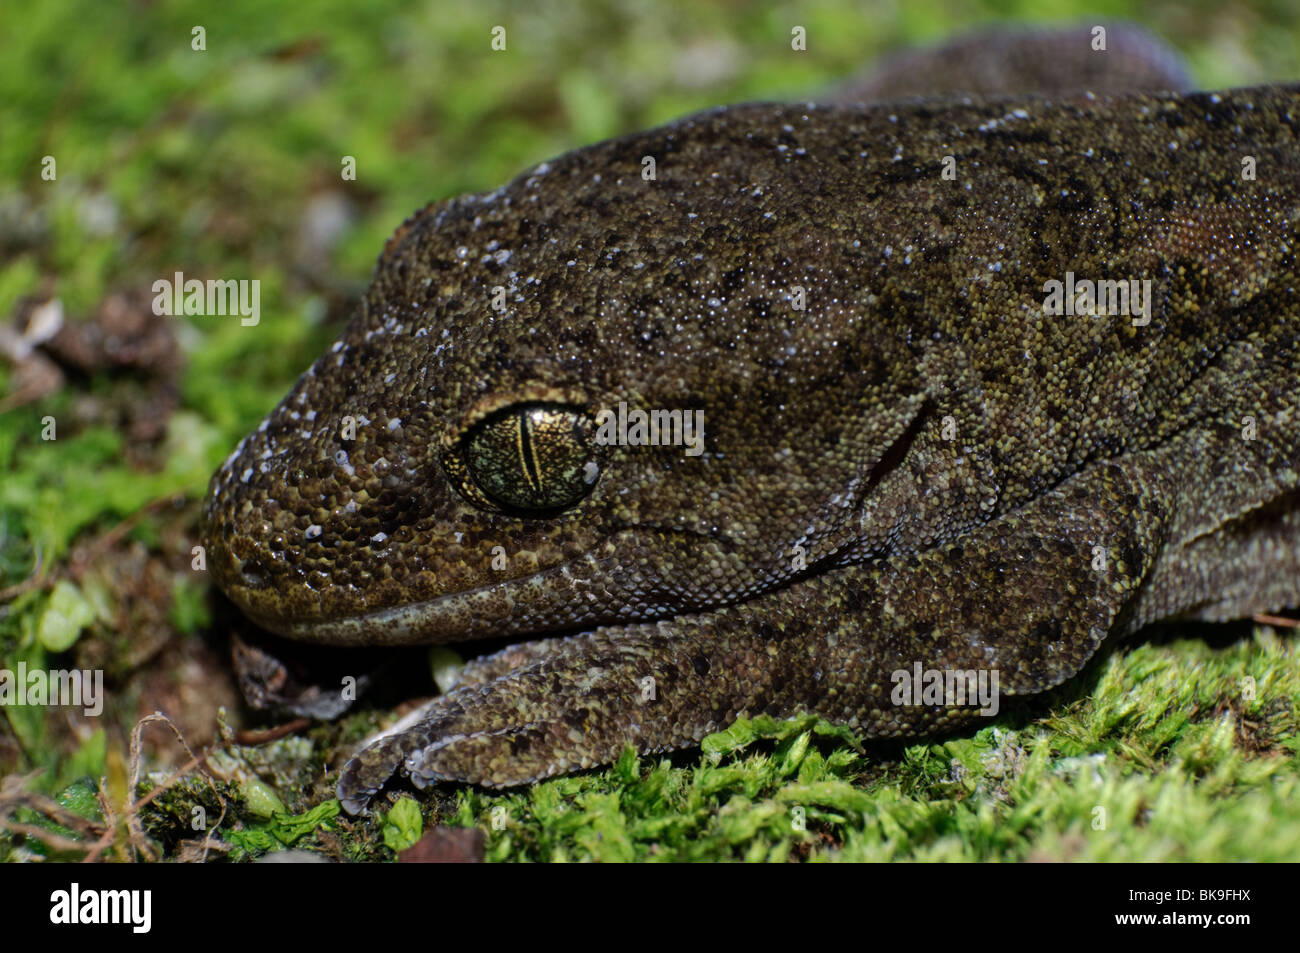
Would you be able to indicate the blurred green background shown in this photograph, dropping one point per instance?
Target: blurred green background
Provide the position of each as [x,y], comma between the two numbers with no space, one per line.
[226,163]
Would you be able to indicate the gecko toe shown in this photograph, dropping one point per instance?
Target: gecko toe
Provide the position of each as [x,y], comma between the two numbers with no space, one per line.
[499,758]
[370,769]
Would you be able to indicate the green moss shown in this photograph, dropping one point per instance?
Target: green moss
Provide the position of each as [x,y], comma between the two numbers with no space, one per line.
[402,825]
[1154,763]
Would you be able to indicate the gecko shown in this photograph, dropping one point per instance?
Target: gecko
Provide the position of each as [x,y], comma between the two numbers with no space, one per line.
[982,381]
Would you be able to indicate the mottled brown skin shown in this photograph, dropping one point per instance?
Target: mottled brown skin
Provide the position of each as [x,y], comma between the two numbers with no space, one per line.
[830,533]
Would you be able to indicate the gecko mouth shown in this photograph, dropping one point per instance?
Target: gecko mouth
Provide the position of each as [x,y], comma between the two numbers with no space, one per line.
[517,606]
[440,619]
[580,593]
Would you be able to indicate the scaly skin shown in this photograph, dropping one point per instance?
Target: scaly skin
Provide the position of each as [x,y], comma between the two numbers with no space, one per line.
[921,466]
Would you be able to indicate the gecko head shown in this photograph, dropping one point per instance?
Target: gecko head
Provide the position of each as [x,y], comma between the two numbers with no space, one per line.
[589,397]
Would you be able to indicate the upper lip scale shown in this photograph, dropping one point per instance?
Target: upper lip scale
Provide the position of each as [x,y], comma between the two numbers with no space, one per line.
[393,620]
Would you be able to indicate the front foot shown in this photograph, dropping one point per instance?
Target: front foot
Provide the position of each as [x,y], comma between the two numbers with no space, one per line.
[575,707]
[370,769]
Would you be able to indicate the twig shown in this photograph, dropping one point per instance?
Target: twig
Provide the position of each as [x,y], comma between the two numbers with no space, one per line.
[195,761]
[13,794]
[1275,620]
[108,539]
[110,829]
[251,739]
[34,580]
[57,841]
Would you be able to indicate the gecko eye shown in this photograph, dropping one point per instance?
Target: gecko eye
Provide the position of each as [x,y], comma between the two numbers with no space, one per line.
[530,457]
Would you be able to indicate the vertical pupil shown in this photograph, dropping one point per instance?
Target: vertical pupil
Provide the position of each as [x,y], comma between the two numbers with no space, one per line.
[527,451]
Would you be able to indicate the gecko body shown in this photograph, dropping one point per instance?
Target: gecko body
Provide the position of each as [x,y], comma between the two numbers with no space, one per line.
[911,454]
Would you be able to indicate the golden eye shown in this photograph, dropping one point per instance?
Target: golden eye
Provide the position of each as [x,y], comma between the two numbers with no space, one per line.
[530,457]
